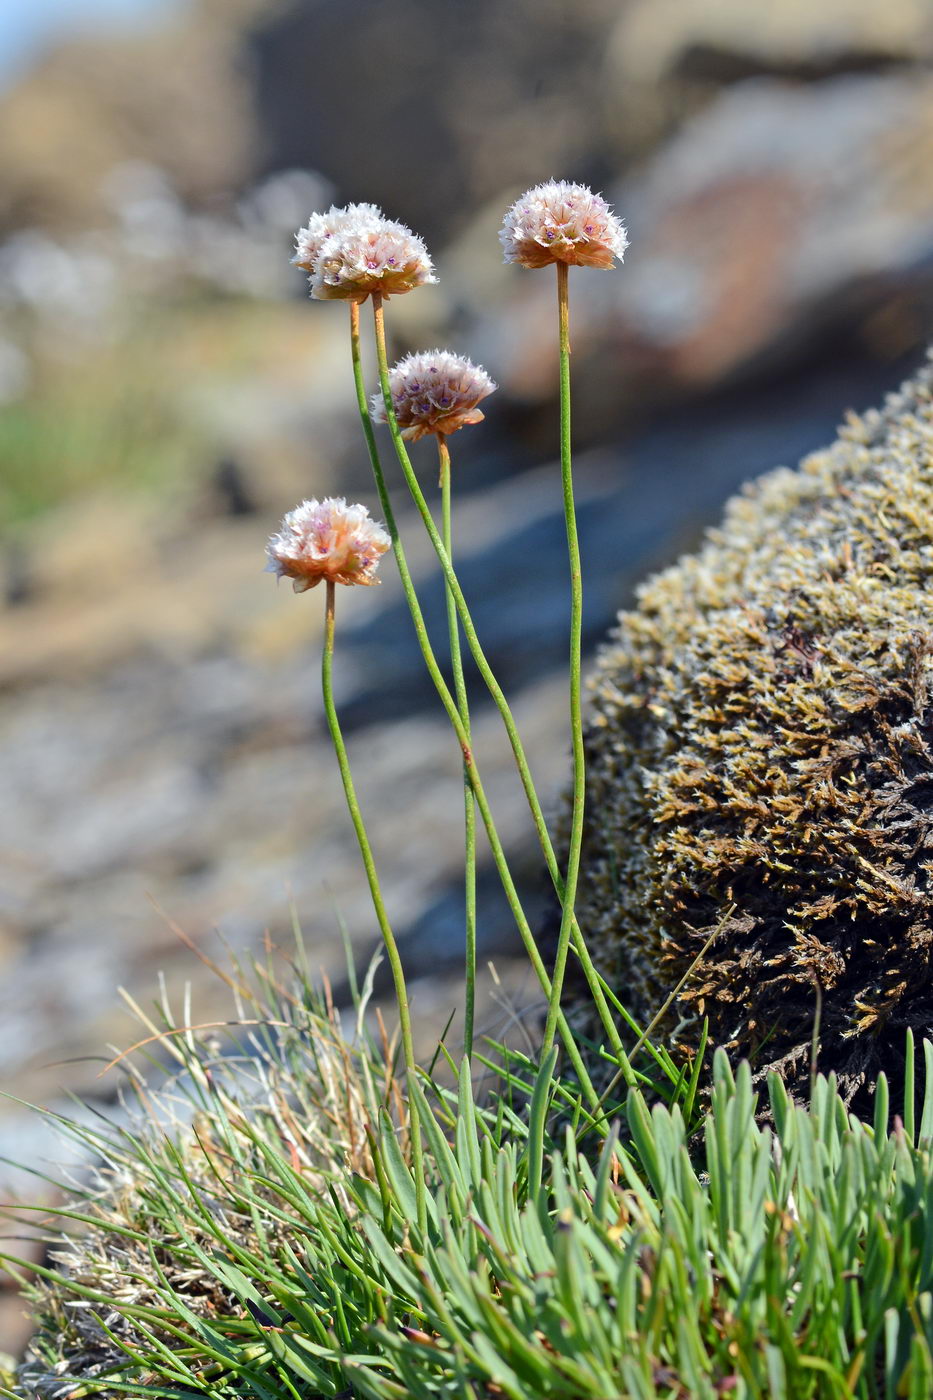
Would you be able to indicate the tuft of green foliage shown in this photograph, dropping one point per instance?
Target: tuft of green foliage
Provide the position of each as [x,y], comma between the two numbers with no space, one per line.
[254,1232]
[760,742]
[84,426]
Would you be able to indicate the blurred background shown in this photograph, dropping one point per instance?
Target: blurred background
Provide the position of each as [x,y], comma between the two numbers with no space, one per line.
[167,391]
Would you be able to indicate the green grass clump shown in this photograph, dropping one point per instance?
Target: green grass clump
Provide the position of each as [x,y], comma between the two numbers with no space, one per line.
[141,411]
[254,1232]
[113,418]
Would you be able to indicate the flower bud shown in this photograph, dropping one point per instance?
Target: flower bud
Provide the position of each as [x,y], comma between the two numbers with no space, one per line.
[434,392]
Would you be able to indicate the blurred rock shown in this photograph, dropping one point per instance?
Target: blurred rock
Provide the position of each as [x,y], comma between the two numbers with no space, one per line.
[666,59]
[777,211]
[174,96]
[486,97]
[232,489]
[457,100]
[655,40]
[778,218]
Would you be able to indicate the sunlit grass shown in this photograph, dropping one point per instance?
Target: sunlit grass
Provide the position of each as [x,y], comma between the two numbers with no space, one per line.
[143,411]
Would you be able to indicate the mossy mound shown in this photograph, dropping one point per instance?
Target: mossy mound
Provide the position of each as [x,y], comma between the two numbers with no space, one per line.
[761,757]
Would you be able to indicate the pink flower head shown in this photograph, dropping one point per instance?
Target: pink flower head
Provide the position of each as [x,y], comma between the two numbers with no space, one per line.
[310,239]
[561,222]
[434,392]
[327,540]
[370,255]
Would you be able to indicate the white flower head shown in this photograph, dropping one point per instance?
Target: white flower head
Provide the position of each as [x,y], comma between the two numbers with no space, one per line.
[434,391]
[310,239]
[562,222]
[368,256]
[327,540]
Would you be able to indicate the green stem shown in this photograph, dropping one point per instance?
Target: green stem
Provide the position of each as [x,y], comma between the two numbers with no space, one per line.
[385,928]
[495,690]
[576,636]
[469,809]
[450,705]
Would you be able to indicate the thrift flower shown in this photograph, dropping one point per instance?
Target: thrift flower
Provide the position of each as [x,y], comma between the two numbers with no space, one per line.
[369,255]
[327,540]
[309,240]
[561,222]
[434,392]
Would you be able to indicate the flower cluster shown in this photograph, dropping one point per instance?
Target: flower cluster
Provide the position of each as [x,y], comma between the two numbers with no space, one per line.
[327,540]
[434,392]
[561,222]
[351,218]
[355,251]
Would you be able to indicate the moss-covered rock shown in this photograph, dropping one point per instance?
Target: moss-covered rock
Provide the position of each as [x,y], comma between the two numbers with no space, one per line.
[761,758]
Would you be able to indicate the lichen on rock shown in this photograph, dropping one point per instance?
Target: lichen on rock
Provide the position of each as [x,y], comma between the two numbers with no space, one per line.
[761,758]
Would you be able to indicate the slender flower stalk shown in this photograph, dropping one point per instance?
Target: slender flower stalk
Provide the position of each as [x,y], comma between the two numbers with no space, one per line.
[576,636]
[436,393]
[568,225]
[460,690]
[331,542]
[593,979]
[450,402]
[385,928]
[447,699]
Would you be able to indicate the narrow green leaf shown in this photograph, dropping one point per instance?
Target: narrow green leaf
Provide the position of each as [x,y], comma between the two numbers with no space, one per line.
[537,1123]
[909,1070]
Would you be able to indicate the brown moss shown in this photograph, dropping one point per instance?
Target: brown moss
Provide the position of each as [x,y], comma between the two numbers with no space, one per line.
[761,753]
